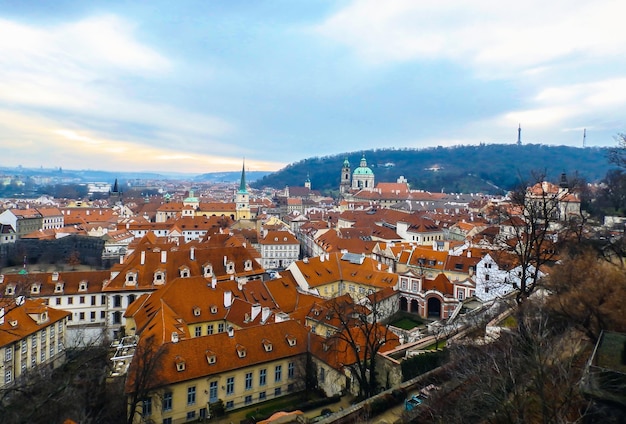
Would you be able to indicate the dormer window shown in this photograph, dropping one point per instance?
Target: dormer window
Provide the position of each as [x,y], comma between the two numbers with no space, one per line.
[230,268]
[291,340]
[213,309]
[196,311]
[241,351]
[208,270]
[82,286]
[247,266]
[34,289]
[184,272]
[159,277]
[131,278]
[58,288]
[210,357]
[267,345]
[180,364]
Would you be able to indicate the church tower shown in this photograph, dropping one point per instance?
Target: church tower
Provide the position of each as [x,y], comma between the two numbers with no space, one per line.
[363,177]
[307,182]
[344,185]
[242,198]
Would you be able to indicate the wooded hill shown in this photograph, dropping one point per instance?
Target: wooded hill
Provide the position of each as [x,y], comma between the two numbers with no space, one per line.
[485,168]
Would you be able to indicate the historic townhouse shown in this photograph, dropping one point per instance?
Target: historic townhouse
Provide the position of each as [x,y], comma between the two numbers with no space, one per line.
[498,274]
[80,293]
[237,367]
[278,249]
[155,262]
[23,221]
[32,335]
[336,274]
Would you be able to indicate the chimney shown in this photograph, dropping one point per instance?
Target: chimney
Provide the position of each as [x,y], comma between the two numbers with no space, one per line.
[265,313]
[228,299]
[213,282]
[469,253]
[225,260]
[280,317]
[55,276]
[121,259]
[163,256]
[256,310]
[231,332]
[174,337]
[380,266]
[1,316]
[322,258]
[142,261]
[192,253]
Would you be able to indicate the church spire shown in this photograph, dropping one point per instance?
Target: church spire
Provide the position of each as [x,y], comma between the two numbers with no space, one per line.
[242,183]
[519,134]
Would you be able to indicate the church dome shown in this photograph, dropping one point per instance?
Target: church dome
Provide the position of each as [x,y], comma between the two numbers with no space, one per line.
[363,169]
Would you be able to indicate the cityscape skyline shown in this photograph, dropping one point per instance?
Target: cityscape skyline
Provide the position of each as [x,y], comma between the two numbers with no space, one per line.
[198,87]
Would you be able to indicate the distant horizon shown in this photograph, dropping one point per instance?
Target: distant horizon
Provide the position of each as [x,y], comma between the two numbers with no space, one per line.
[238,170]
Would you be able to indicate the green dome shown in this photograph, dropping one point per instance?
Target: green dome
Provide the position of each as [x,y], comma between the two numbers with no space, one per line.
[363,169]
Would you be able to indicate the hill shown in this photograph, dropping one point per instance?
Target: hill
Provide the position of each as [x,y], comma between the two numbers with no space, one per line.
[486,168]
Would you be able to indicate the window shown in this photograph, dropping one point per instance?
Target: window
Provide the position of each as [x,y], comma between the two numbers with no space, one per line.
[486,277]
[167,421]
[103,300]
[93,315]
[24,345]
[81,316]
[58,300]
[81,299]
[209,329]
[278,373]
[322,375]
[277,391]
[8,353]
[191,395]
[262,377]
[8,376]
[191,415]
[167,401]
[203,413]
[248,381]
[248,399]
[213,391]
[93,300]
[220,327]
[70,300]
[230,404]
[146,407]
[198,331]
[230,385]
[291,370]
[460,294]
[103,315]
[261,396]
[117,301]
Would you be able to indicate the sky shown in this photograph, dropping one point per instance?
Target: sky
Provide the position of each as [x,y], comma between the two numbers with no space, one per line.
[202,86]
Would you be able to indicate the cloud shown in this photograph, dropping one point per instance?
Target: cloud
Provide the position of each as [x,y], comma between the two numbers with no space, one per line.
[75,83]
[491,37]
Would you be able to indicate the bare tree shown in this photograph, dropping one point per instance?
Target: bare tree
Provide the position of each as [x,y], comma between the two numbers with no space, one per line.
[617,155]
[360,336]
[143,375]
[541,217]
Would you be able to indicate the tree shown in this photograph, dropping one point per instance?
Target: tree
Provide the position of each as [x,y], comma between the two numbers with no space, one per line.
[528,376]
[540,217]
[617,155]
[143,375]
[588,293]
[360,336]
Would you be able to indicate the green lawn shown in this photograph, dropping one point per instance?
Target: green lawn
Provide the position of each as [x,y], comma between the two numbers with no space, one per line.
[406,323]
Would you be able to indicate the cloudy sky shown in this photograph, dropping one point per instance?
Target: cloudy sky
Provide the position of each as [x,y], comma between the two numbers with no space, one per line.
[197,86]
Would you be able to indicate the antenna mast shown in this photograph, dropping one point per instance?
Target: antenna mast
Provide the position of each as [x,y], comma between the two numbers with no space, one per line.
[584,137]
